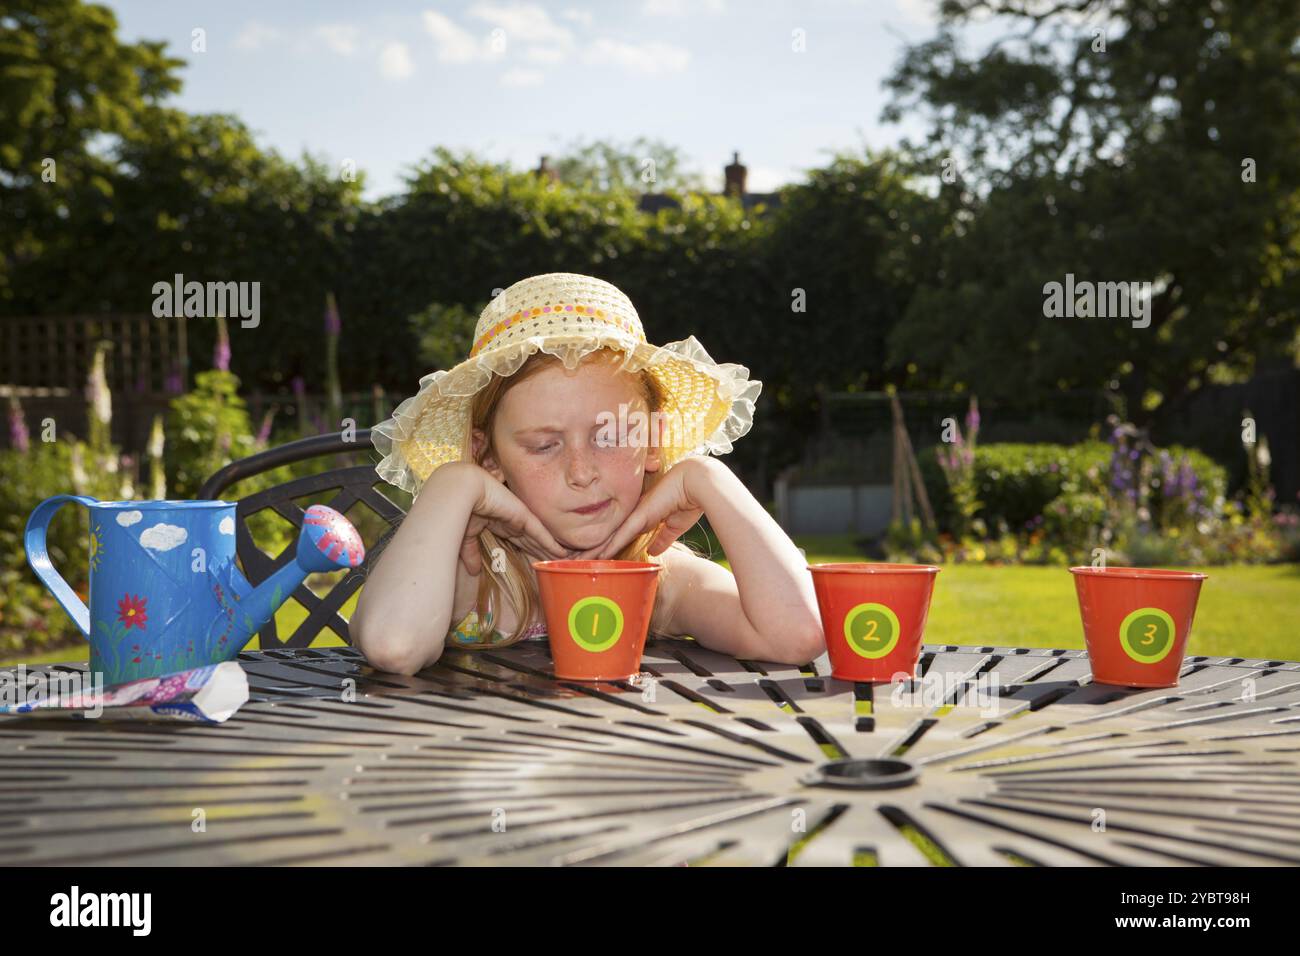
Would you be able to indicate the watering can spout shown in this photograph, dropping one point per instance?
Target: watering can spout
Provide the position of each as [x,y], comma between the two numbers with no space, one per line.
[327,542]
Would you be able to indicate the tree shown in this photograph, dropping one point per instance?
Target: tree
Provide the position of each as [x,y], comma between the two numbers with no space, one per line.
[1115,140]
[644,166]
[69,89]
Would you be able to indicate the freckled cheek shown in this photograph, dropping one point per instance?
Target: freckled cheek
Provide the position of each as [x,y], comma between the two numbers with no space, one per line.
[628,491]
[534,483]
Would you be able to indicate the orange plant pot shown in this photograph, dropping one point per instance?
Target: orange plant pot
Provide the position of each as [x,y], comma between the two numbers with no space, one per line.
[1136,622]
[873,616]
[597,615]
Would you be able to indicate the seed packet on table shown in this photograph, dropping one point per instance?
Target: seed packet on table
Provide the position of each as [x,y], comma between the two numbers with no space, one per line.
[207,695]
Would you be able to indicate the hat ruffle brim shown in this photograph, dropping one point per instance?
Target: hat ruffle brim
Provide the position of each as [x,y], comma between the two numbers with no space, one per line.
[710,405]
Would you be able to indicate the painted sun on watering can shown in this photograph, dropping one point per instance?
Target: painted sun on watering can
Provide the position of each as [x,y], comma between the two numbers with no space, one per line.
[165,593]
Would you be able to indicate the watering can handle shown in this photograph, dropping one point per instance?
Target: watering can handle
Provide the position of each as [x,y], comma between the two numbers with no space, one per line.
[39,558]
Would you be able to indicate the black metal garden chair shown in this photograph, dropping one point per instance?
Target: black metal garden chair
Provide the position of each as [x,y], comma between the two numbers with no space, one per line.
[355,486]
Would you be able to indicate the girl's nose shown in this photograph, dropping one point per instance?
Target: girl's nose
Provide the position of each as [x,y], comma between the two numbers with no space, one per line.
[581,468]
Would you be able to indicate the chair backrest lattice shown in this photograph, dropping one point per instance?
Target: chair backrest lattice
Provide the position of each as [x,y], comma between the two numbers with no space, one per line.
[354,486]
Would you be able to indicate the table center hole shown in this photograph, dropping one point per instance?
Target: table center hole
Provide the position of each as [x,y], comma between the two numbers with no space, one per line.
[865,774]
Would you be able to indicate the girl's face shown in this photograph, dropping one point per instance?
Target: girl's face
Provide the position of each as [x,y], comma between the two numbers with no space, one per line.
[555,452]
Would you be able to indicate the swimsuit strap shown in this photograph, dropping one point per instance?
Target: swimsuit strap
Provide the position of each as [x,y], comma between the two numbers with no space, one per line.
[469,632]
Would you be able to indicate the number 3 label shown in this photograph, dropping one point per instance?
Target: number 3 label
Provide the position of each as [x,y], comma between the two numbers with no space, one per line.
[1147,635]
[871,630]
[595,623]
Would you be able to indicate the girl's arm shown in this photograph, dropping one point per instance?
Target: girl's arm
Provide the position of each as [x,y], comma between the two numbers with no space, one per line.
[766,608]
[404,610]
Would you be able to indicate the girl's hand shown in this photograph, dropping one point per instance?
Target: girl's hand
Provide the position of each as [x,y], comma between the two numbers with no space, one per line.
[499,510]
[672,505]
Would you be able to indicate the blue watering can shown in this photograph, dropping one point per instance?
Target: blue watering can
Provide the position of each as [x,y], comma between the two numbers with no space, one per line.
[165,594]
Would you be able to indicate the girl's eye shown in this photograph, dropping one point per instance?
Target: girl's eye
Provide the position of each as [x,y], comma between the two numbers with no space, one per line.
[537,451]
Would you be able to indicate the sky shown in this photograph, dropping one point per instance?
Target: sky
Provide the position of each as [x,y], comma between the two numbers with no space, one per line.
[382,83]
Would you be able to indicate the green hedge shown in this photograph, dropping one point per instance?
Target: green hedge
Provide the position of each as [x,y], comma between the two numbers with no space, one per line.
[1017,481]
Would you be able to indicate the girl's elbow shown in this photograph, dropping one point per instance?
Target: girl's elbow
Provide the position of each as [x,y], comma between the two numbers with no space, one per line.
[815,646]
[803,650]
[392,653]
[795,647]
[400,659]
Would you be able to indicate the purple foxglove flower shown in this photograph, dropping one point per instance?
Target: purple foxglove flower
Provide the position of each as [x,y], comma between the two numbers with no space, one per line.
[221,350]
[18,436]
[332,323]
[264,433]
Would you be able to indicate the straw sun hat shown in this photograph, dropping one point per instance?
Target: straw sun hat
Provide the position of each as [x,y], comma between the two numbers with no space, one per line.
[567,315]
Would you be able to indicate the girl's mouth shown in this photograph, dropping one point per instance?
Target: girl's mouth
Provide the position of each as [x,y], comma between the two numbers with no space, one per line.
[592,509]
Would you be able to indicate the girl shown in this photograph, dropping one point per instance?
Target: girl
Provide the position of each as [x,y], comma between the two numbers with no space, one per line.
[566,435]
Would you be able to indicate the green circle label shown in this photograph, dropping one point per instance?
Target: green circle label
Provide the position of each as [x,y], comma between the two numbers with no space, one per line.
[1147,635]
[871,630]
[595,623]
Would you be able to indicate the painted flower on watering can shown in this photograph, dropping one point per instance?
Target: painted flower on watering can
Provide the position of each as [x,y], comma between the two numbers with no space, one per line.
[131,611]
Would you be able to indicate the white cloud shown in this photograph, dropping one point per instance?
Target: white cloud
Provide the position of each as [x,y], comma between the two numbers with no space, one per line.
[533,37]
[541,54]
[395,61]
[128,518]
[651,57]
[163,537]
[339,37]
[227,525]
[520,77]
[578,16]
[681,8]
[455,44]
[923,12]
[255,35]
[523,23]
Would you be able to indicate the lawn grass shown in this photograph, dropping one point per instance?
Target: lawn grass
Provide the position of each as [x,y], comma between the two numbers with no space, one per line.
[1245,610]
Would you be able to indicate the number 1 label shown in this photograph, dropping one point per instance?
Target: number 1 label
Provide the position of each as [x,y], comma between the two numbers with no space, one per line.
[595,623]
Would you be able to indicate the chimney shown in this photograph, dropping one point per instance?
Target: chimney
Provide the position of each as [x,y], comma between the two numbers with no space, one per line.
[545,170]
[735,177]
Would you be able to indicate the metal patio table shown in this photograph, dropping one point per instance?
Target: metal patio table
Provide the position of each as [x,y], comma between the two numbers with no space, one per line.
[487,759]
